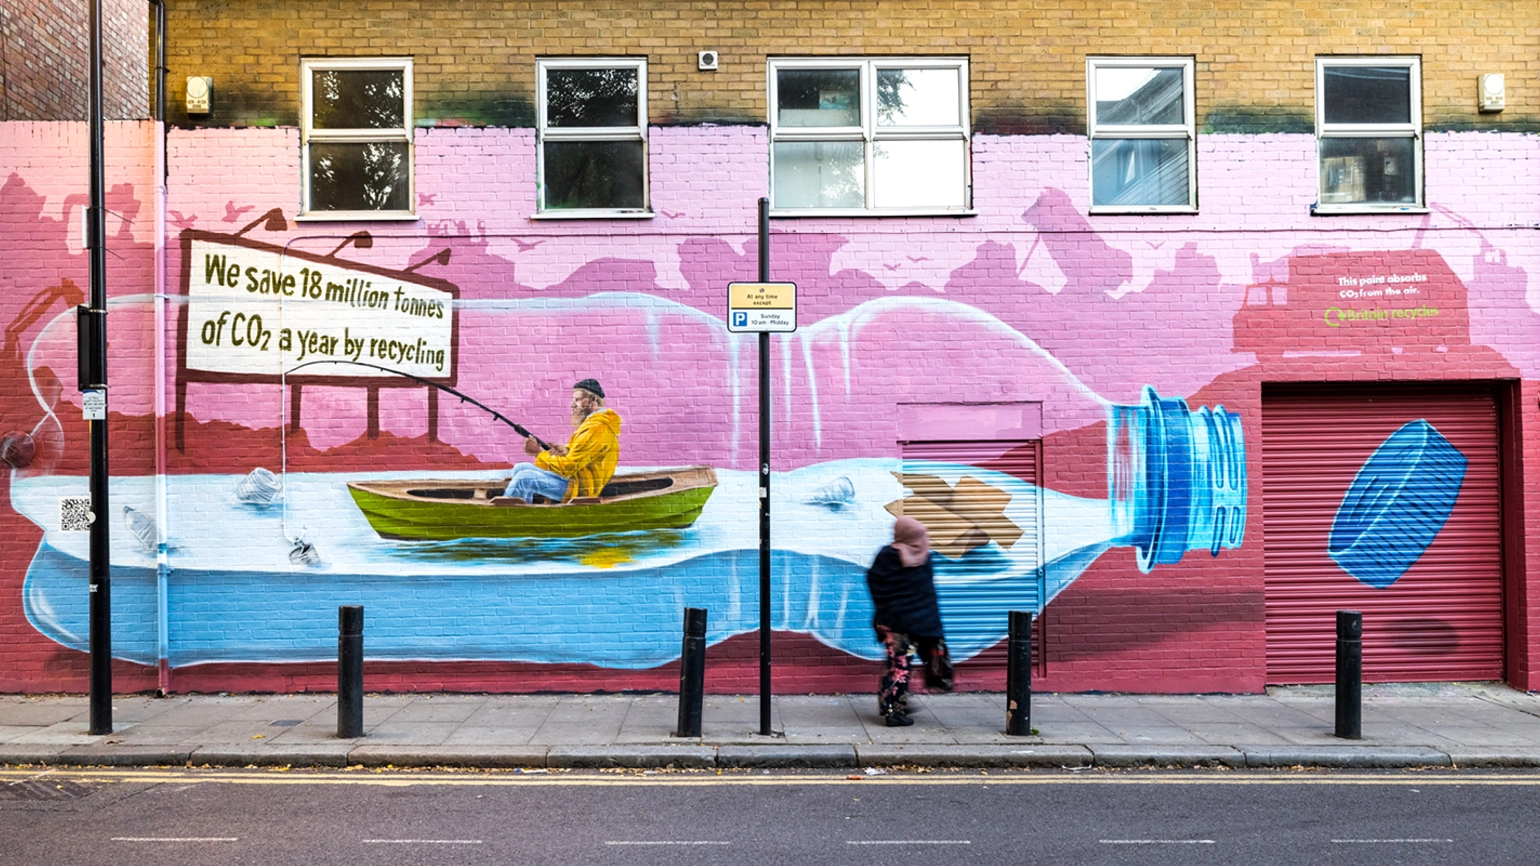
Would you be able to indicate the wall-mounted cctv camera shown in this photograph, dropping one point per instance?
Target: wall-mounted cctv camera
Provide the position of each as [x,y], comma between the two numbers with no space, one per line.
[708,61]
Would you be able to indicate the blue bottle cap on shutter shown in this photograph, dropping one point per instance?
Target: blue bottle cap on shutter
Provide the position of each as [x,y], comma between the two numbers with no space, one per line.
[1397,504]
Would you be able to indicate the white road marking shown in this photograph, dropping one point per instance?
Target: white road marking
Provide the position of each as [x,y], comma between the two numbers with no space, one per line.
[661,842]
[1157,841]
[422,841]
[1388,840]
[908,842]
[29,778]
[175,839]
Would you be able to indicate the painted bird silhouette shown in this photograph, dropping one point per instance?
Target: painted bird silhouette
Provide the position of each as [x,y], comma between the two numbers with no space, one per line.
[233,213]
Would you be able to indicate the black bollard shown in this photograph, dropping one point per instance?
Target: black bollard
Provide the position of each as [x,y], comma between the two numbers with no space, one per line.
[1018,675]
[350,671]
[1350,674]
[692,672]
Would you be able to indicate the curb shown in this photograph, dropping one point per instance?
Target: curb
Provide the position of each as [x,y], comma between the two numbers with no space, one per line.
[1113,755]
[30,754]
[123,756]
[488,757]
[786,757]
[1348,757]
[658,757]
[267,756]
[1477,756]
[974,756]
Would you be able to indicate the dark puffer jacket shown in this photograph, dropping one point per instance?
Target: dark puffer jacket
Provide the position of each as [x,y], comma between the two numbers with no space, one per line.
[905,597]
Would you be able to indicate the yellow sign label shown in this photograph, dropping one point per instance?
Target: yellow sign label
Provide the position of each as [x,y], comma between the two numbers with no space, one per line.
[762,296]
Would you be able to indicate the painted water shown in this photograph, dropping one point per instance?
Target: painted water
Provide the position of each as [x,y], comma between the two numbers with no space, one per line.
[231,590]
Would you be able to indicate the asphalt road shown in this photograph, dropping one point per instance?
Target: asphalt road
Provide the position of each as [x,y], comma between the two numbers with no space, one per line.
[175,817]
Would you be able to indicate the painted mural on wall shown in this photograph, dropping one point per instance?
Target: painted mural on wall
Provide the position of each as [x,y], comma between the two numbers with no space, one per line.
[1397,503]
[471,565]
[465,566]
[347,410]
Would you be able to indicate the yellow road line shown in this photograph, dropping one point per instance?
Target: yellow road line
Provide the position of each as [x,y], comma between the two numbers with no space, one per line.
[398,779]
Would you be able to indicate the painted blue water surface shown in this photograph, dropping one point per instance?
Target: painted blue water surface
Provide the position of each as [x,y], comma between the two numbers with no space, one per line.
[234,594]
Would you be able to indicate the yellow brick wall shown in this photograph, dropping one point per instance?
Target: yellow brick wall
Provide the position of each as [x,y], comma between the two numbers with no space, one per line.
[475,58]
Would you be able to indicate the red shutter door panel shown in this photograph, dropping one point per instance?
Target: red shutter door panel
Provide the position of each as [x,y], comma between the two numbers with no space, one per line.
[1441,618]
[981,608]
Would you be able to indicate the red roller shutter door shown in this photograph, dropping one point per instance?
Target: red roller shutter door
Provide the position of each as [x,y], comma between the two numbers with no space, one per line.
[1440,619]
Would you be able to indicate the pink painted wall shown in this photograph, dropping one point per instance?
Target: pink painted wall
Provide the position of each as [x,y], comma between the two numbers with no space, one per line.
[1028,301]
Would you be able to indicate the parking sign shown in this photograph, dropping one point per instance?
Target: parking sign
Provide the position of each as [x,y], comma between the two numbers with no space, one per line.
[761,307]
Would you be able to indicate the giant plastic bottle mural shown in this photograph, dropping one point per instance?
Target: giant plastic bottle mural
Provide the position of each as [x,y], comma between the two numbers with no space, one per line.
[255,561]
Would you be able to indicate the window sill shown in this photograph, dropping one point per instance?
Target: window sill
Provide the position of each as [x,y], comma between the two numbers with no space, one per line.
[861,213]
[592,215]
[1142,210]
[1362,209]
[338,216]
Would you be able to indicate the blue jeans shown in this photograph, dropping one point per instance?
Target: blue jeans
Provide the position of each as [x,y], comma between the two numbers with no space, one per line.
[530,480]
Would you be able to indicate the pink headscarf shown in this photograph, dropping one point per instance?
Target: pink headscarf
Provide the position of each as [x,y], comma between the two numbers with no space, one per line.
[911,541]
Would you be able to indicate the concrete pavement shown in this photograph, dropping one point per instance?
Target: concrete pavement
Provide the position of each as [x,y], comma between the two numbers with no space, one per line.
[1439,724]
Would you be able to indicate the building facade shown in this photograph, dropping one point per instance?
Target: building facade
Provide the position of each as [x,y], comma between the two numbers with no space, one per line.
[1182,326]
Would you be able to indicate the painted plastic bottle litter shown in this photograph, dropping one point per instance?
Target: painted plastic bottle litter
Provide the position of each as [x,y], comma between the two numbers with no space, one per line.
[1176,483]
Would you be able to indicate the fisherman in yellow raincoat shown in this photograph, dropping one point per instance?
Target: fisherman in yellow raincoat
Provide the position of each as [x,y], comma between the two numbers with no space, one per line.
[581,467]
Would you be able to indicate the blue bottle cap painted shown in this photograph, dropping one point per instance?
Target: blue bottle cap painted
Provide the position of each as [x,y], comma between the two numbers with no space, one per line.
[1397,504]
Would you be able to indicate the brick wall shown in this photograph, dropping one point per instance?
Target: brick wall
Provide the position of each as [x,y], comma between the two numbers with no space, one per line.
[475,60]
[1010,304]
[1119,305]
[45,51]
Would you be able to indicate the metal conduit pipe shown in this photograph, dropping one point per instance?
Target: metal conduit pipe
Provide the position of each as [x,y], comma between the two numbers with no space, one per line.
[162,560]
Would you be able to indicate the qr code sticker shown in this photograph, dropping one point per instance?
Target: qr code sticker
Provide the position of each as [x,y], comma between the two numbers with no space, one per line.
[74,514]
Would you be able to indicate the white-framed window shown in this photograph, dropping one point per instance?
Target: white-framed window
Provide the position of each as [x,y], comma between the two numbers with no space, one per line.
[857,136]
[357,137]
[1368,127]
[1143,135]
[592,136]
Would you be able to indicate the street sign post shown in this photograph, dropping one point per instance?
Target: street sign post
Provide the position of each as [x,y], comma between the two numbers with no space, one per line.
[763,307]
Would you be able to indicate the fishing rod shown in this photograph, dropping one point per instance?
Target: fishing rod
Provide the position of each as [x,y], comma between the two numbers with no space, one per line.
[517,428]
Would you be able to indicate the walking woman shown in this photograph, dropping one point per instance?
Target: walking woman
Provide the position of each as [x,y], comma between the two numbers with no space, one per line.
[908,619]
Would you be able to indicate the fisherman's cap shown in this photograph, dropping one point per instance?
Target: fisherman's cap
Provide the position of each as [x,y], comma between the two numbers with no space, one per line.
[592,386]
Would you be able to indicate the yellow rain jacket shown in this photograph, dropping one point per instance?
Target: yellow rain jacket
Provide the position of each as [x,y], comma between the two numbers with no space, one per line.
[592,453]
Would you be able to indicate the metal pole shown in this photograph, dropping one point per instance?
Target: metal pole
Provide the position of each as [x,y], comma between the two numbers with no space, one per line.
[692,672]
[1018,675]
[1350,674]
[100,547]
[350,671]
[764,483]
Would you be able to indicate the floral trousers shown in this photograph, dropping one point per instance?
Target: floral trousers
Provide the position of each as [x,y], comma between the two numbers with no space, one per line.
[893,693]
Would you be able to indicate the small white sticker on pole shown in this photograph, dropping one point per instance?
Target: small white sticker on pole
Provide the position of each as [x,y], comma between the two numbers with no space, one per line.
[93,405]
[761,307]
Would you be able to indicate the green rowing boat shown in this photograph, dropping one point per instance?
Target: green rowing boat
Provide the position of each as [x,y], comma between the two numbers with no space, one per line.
[442,510]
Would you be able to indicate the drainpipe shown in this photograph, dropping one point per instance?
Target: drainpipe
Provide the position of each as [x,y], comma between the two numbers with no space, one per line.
[162,561]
